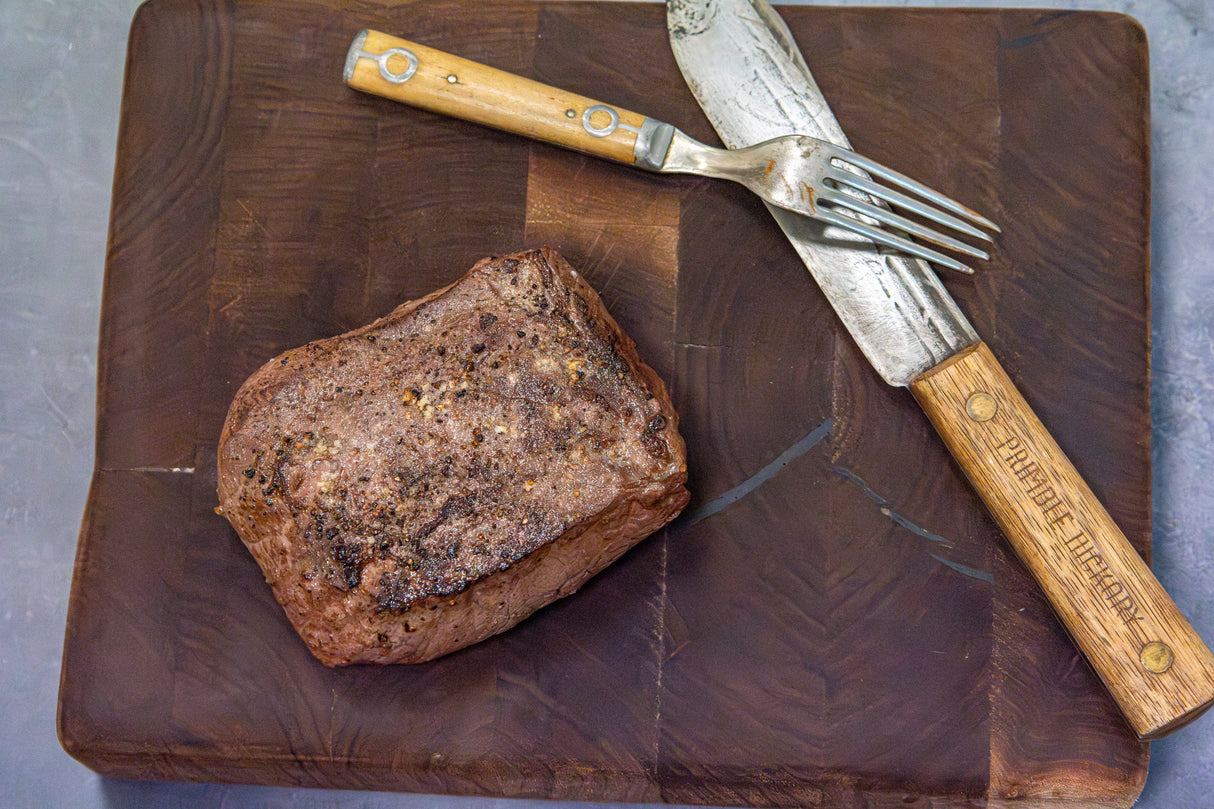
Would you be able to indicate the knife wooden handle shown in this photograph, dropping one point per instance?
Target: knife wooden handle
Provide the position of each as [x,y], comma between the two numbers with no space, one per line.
[433,80]
[1156,667]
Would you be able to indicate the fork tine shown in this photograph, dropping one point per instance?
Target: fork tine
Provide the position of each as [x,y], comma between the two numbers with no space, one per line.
[888,217]
[897,198]
[899,179]
[884,237]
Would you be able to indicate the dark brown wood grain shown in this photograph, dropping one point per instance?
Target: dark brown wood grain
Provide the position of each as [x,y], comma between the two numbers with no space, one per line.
[835,621]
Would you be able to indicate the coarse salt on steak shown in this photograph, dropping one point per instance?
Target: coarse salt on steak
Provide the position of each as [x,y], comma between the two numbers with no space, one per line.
[422,483]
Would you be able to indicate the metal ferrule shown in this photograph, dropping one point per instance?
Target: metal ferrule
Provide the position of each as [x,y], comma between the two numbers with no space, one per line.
[354,54]
[653,141]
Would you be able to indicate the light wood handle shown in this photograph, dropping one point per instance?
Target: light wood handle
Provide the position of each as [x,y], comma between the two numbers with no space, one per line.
[1156,667]
[433,80]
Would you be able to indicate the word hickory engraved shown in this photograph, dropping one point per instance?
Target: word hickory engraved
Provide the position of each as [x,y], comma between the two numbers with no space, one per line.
[1075,537]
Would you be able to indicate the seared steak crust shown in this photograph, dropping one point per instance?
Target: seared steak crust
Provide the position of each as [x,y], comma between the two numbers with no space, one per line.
[431,479]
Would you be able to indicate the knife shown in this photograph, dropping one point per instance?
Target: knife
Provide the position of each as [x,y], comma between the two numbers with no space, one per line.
[745,70]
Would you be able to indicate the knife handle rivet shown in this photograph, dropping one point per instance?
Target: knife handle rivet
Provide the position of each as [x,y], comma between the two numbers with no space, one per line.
[452,79]
[1156,657]
[981,406]
[570,113]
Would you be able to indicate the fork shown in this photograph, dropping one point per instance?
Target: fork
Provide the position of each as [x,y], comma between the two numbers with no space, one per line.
[800,173]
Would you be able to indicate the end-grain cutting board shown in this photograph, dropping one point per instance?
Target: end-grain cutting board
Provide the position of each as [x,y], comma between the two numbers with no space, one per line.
[835,620]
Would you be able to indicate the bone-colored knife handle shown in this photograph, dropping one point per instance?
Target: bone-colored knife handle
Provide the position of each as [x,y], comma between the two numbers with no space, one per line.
[1155,666]
[433,80]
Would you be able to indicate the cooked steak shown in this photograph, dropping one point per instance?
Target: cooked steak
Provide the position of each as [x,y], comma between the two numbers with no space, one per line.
[419,484]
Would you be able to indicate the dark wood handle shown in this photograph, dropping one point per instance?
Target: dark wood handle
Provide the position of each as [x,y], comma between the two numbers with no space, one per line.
[1156,667]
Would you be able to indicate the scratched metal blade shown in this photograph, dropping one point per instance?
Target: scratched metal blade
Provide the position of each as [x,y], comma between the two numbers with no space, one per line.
[747,73]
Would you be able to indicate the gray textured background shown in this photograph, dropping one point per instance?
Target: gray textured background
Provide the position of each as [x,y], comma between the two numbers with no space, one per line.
[61,65]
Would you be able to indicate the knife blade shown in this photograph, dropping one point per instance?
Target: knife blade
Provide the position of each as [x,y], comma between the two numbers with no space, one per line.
[748,75]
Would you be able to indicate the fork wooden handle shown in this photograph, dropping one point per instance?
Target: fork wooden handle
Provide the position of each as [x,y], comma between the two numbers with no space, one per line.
[440,82]
[1155,666]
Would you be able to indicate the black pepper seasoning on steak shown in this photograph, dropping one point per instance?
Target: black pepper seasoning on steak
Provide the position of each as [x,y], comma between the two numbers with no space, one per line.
[431,479]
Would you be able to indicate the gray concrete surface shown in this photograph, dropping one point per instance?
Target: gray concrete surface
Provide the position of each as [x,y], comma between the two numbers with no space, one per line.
[61,65]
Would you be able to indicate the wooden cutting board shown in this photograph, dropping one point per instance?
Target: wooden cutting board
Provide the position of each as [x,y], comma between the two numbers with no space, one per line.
[835,621]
